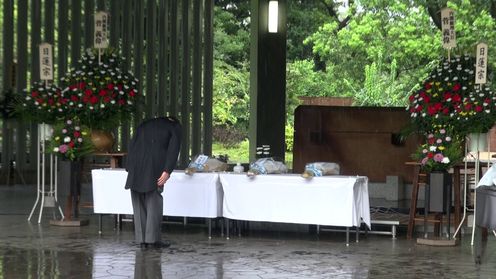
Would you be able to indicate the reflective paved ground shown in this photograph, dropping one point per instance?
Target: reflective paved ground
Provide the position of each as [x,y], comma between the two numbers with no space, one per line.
[32,250]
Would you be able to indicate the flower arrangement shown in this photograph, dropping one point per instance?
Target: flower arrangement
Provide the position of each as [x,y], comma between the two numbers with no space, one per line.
[70,140]
[449,97]
[43,103]
[439,152]
[98,92]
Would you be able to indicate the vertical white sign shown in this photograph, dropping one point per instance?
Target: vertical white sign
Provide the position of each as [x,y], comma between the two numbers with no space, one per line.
[101,30]
[448,28]
[481,64]
[46,61]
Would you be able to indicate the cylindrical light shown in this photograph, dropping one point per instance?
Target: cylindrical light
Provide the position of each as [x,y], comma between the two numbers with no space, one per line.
[273,16]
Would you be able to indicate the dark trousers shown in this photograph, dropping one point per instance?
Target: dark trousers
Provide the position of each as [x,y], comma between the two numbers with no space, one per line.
[148,212]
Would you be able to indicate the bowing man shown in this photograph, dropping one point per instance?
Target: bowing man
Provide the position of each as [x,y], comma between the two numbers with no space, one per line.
[152,156]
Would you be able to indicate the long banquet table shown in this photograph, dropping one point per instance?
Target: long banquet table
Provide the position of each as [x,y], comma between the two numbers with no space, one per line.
[198,195]
[285,198]
[330,200]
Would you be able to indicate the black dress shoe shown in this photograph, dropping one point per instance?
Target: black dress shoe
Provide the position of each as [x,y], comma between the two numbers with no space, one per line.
[161,244]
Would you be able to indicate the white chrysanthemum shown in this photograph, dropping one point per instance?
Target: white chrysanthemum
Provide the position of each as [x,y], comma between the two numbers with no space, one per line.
[80,139]
[67,139]
[445,160]
[432,148]
[55,149]
[69,122]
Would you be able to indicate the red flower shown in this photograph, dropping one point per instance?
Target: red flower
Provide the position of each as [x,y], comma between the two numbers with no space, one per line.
[81,85]
[74,98]
[456,87]
[77,134]
[71,144]
[431,110]
[456,98]
[106,99]
[427,99]
[478,108]
[430,155]
[35,94]
[110,86]
[428,85]
[132,93]
[93,100]
[121,102]
[102,92]
[88,92]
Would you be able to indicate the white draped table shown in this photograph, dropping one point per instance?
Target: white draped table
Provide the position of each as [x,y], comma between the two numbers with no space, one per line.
[198,195]
[330,200]
[285,198]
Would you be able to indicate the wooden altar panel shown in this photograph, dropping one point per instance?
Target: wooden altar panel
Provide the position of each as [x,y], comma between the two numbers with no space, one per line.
[362,140]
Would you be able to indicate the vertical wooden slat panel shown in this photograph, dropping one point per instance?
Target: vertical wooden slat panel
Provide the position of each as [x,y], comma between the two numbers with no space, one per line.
[8,56]
[197,70]
[127,25]
[89,10]
[182,51]
[22,67]
[115,23]
[151,108]
[208,77]
[174,58]
[49,21]
[8,42]
[100,5]
[185,84]
[75,31]
[163,67]
[138,53]
[62,41]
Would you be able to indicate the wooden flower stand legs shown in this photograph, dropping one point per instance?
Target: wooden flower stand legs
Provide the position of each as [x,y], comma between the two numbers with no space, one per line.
[420,179]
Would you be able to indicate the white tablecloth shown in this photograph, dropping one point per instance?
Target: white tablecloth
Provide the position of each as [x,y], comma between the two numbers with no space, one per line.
[198,195]
[330,200]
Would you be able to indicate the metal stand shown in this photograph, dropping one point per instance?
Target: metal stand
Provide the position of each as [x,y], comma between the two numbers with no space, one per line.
[47,192]
[465,184]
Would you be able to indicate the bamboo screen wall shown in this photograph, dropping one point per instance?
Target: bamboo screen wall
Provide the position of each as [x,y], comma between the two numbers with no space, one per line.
[166,44]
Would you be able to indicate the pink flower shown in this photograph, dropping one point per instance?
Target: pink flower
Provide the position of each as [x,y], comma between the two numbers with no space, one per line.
[438,157]
[424,161]
[63,148]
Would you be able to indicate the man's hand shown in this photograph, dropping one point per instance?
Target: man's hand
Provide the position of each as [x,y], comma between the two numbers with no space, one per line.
[163,178]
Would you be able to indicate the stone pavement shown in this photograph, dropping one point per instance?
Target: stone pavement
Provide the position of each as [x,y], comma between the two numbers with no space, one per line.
[32,250]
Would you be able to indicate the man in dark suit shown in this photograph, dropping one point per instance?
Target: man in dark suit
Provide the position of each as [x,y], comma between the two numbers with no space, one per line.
[152,156]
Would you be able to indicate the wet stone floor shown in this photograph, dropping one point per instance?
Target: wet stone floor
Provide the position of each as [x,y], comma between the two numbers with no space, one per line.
[32,250]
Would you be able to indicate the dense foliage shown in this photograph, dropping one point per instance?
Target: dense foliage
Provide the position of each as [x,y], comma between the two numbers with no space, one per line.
[377,51]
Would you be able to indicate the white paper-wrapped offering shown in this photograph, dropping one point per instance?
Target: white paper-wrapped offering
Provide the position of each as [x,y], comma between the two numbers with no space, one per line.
[204,163]
[266,166]
[320,169]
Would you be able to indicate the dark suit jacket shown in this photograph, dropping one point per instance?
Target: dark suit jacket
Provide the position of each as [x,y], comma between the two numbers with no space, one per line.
[153,149]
